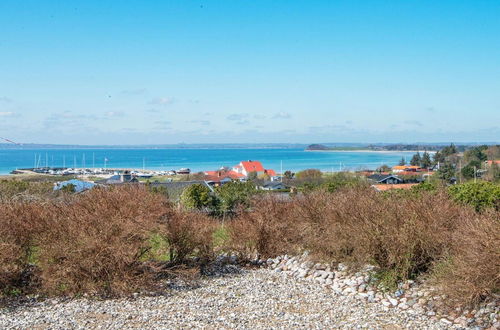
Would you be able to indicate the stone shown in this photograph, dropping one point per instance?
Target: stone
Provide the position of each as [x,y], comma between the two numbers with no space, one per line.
[385,302]
[403,306]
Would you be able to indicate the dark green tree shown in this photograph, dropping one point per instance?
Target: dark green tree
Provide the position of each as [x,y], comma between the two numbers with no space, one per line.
[234,194]
[288,175]
[446,171]
[197,196]
[416,159]
[383,168]
[402,162]
[438,158]
[477,153]
[425,162]
[450,150]
[470,169]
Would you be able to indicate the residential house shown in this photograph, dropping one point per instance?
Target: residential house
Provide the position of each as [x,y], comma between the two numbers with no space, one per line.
[385,179]
[491,162]
[78,185]
[247,167]
[122,178]
[273,185]
[220,177]
[406,168]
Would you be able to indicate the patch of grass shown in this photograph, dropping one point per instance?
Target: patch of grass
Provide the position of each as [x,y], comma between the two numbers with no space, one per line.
[221,237]
[158,249]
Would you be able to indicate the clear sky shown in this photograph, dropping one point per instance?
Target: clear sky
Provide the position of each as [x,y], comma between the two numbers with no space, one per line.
[142,72]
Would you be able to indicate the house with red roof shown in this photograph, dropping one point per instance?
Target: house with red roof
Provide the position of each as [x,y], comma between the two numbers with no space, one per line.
[222,176]
[247,167]
[491,162]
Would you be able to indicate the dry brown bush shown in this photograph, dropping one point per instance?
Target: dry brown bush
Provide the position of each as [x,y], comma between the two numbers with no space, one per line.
[267,230]
[403,234]
[188,234]
[100,242]
[94,244]
[18,232]
[471,272]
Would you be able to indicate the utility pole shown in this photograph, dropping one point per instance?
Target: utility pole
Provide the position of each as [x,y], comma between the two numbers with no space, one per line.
[281,171]
[475,172]
[64,161]
[460,170]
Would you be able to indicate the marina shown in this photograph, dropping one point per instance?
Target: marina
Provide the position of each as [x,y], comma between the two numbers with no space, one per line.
[167,160]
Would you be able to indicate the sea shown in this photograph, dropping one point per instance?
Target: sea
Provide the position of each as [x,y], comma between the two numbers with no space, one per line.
[293,159]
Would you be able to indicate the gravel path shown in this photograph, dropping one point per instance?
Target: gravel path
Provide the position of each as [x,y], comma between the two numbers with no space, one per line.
[253,299]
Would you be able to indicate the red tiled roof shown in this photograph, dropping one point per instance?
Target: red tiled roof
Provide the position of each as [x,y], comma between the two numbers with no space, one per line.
[415,173]
[490,162]
[270,172]
[252,166]
[402,167]
[211,172]
[216,176]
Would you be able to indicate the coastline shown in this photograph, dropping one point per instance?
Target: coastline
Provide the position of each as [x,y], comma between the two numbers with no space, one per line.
[368,150]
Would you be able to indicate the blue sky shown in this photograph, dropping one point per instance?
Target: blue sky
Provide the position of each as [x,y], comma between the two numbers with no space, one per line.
[141,72]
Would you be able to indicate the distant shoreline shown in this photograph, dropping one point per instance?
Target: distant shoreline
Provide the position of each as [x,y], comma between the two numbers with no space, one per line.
[368,150]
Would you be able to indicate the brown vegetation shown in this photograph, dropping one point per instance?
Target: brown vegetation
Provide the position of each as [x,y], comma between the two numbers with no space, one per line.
[93,242]
[405,235]
[119,240]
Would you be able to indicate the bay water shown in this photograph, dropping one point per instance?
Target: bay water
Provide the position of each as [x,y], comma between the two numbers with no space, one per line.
[197,159]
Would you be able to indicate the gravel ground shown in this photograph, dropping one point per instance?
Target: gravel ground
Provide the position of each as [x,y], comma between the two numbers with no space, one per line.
[252,299]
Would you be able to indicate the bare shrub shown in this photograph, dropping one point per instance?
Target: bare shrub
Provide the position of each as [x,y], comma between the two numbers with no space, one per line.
[266,230]
[94,244]
[188,234]
[471,272]
[18,246]
[403,234]
[106,241]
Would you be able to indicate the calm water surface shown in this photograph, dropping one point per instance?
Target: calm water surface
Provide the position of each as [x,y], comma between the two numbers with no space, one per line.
[196,159]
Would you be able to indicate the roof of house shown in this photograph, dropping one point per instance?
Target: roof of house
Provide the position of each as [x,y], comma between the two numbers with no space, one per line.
[382,177]
[415,173]
[273,184]
[403,167]
[116,179]
[489,162]
[78,185]
[385,187]
[252,166]
[216,176]
[270,172]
